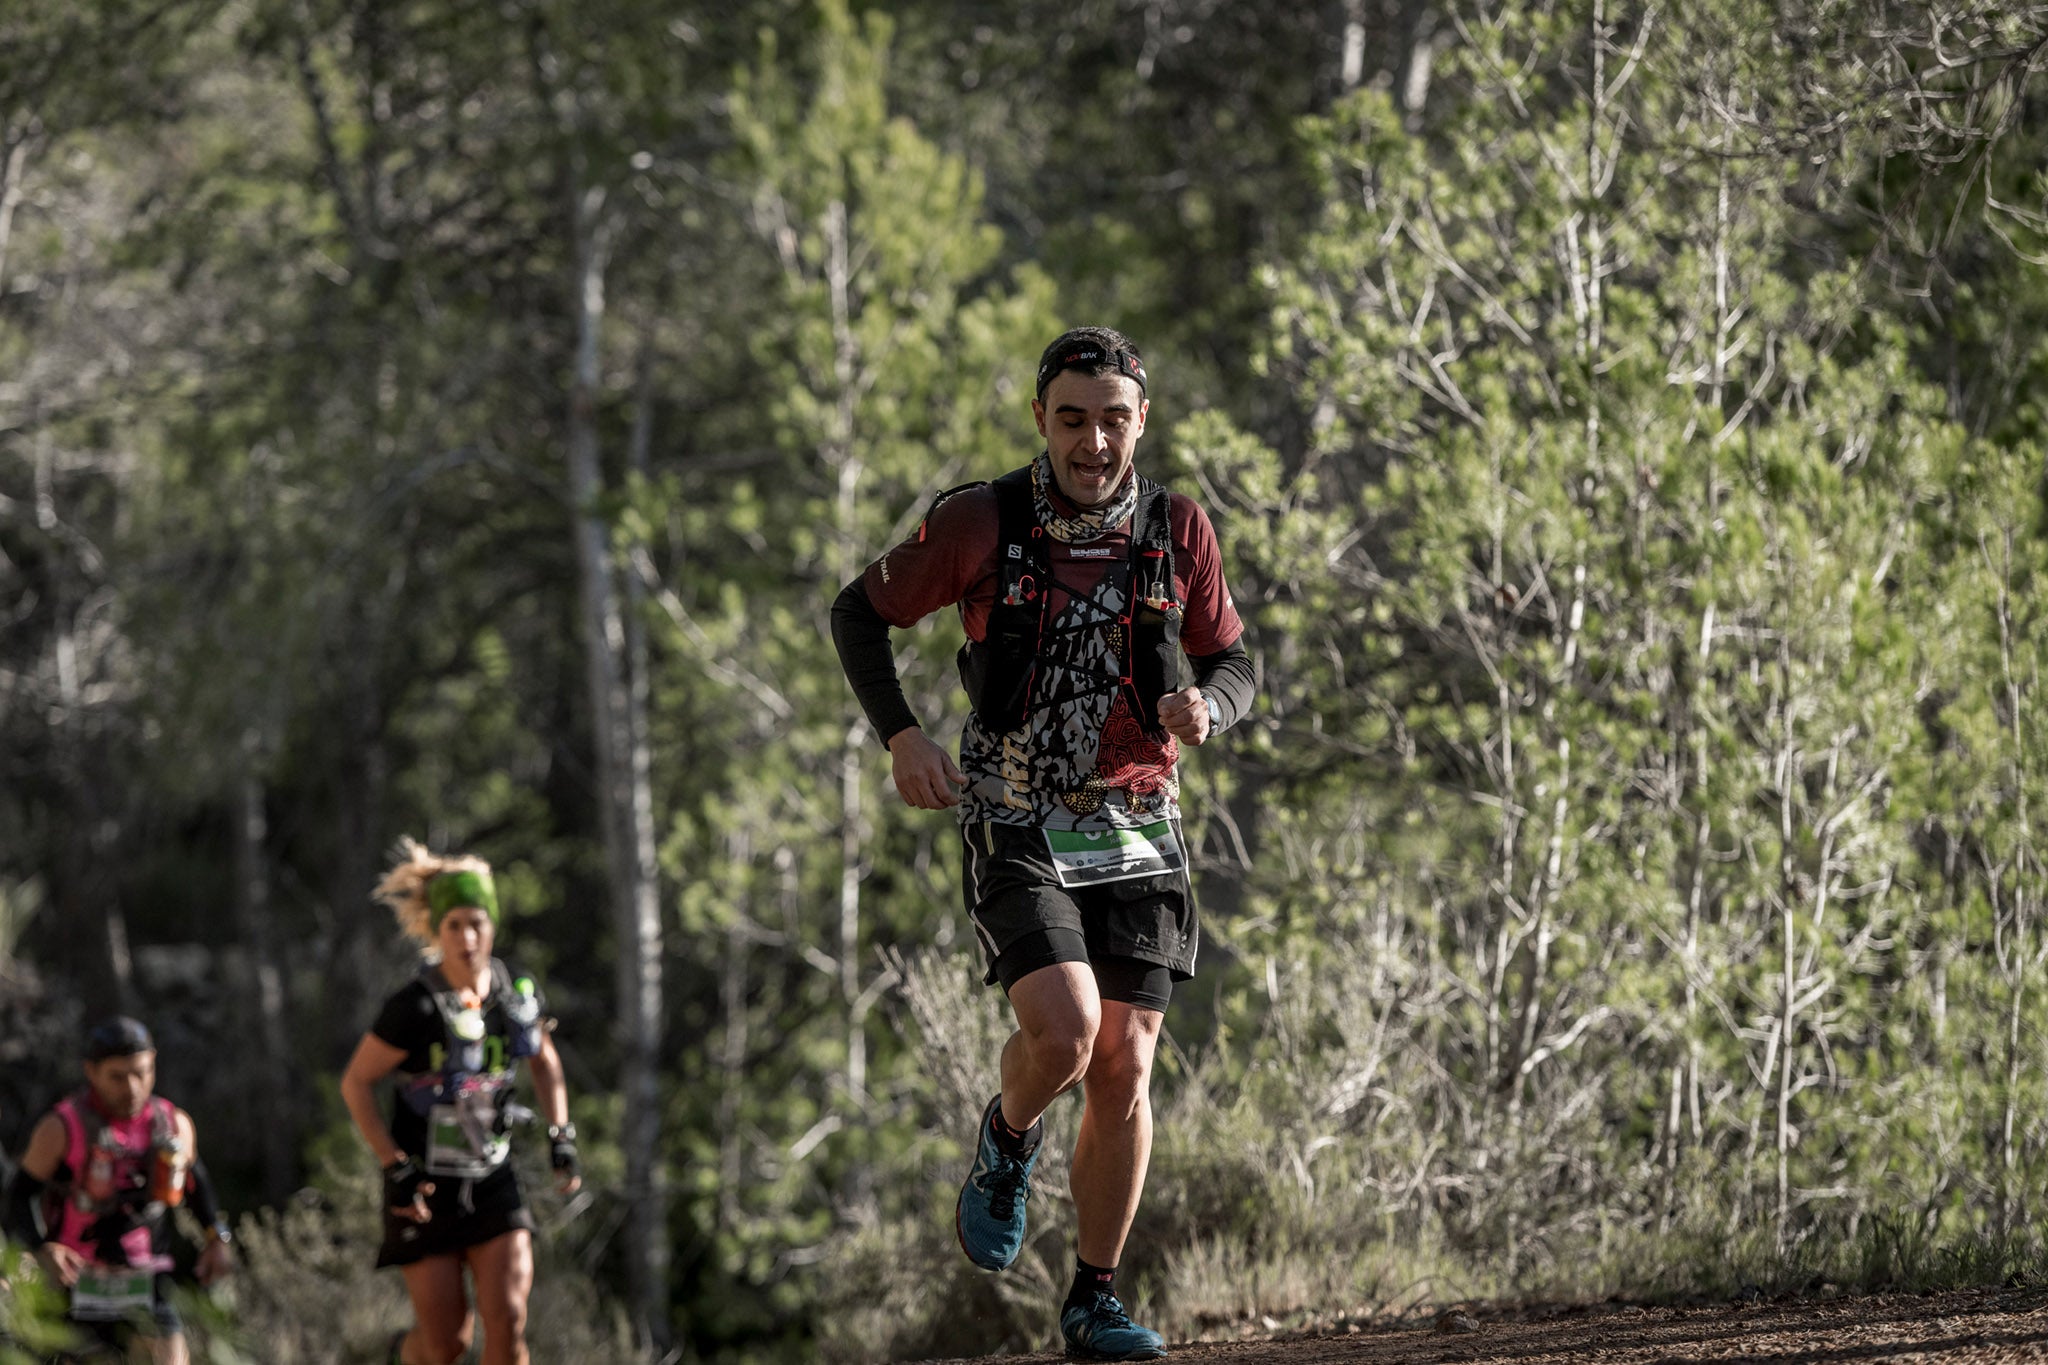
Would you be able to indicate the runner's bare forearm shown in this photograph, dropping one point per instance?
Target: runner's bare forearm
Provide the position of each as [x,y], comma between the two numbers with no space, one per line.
[550,1090]
[358,1092]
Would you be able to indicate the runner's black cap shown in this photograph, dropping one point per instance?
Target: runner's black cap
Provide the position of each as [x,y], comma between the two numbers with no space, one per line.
[119,1036]
[1095,350]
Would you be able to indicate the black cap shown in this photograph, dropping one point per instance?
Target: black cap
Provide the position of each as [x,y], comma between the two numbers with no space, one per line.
[119,1036]
[1092,350]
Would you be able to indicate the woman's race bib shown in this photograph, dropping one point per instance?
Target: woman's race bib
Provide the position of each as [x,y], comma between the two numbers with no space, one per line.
[463,1138]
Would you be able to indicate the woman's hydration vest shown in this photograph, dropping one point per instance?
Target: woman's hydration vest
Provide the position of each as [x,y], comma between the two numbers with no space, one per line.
[124,1174]
[463,1096]
[999,670]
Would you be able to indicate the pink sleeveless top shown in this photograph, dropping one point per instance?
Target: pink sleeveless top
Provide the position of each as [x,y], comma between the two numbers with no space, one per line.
[118,1163]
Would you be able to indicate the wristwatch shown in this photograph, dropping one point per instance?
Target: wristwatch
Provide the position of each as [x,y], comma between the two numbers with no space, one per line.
[561,1132]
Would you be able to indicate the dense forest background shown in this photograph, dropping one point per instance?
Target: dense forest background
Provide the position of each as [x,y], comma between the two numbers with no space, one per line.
[1624,423]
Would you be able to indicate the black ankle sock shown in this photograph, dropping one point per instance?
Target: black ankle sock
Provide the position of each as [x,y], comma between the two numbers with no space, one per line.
[1089,1280]
[1009,1141]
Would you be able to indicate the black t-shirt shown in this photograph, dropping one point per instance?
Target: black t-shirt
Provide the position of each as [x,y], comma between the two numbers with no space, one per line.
[411,1020]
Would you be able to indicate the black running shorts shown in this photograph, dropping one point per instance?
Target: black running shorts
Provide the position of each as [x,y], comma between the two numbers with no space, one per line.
[490,1208]
[1141,935]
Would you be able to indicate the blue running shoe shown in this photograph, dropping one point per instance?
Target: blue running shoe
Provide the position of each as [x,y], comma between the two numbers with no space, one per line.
[990,1214]
[1101,1330]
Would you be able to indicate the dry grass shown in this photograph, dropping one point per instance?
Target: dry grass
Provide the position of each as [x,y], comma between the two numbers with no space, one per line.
[1230,1233]
[308,1292]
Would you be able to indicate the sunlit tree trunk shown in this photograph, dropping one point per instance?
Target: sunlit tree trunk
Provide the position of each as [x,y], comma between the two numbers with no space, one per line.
[843,460]
[15,150]
[1351,57]
[617,705]
[355,976]
[262,988]
[82,891]
[2016,913]
[733,1044]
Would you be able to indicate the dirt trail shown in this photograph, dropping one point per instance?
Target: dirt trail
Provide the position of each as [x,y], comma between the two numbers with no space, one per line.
[1974,1326]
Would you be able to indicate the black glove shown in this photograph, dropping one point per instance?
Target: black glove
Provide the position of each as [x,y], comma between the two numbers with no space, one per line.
[106,1232]
[402,1181]
[562,1151]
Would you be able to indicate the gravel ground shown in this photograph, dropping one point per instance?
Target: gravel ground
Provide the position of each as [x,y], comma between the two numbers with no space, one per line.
[1978,1325]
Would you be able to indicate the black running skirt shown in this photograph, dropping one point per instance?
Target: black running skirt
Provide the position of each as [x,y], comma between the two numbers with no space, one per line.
[492,1207]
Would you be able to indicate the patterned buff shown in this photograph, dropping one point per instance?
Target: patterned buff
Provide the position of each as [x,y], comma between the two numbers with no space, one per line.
[1082,526]
[465,887]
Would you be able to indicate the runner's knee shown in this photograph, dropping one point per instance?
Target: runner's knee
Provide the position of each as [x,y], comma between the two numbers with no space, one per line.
[443,1346]
[1070,1054]
[1064,1042]
[504,1320]
[1119,1079]
[1058,1015]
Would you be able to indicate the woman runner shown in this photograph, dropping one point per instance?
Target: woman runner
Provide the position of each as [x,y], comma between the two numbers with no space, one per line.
[453,1033]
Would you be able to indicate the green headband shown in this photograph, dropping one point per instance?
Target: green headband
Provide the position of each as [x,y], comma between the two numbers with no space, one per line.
[464,887]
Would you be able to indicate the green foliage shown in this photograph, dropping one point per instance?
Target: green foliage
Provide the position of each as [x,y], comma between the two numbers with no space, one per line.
[892,361]
[1625,434]
[1588,599]
[31,1311]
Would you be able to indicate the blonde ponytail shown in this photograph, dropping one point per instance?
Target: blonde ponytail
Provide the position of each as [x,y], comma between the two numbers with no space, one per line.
[404,887]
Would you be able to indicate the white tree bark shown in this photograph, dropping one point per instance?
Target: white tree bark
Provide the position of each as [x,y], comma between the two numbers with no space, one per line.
[618,716]
[262,989]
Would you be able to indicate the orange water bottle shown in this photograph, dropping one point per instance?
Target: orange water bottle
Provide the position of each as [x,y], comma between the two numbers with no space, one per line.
[167,1177]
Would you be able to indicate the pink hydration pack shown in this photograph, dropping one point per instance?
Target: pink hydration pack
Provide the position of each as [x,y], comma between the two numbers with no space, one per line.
[110,1162]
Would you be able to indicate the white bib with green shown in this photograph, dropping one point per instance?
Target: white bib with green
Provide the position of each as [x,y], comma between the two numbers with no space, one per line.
[111,1293]
[1091,857]
[463,1141]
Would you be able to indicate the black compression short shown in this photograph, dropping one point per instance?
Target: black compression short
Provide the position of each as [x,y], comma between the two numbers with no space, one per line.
[1148,985]
[1140,935]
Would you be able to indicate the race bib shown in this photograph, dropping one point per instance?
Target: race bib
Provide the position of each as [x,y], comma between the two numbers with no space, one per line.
[1092,857]
[112,1293]
[462,1139]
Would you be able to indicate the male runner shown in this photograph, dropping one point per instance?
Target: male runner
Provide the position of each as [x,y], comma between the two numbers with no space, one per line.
[1081,585]
[94,1190]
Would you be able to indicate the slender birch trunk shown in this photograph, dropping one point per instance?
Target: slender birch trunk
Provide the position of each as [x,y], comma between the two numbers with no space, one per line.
[82,892]
[14,159]
[262,990]
[1547,877]
[617,703]
[847,467]
[2020,964]
[1788,925]
[1685,1079]
[1351,56]
[733,1046]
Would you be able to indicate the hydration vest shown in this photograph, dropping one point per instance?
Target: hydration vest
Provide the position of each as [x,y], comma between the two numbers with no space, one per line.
[1000,669]
[460,1096]
[108,1212]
